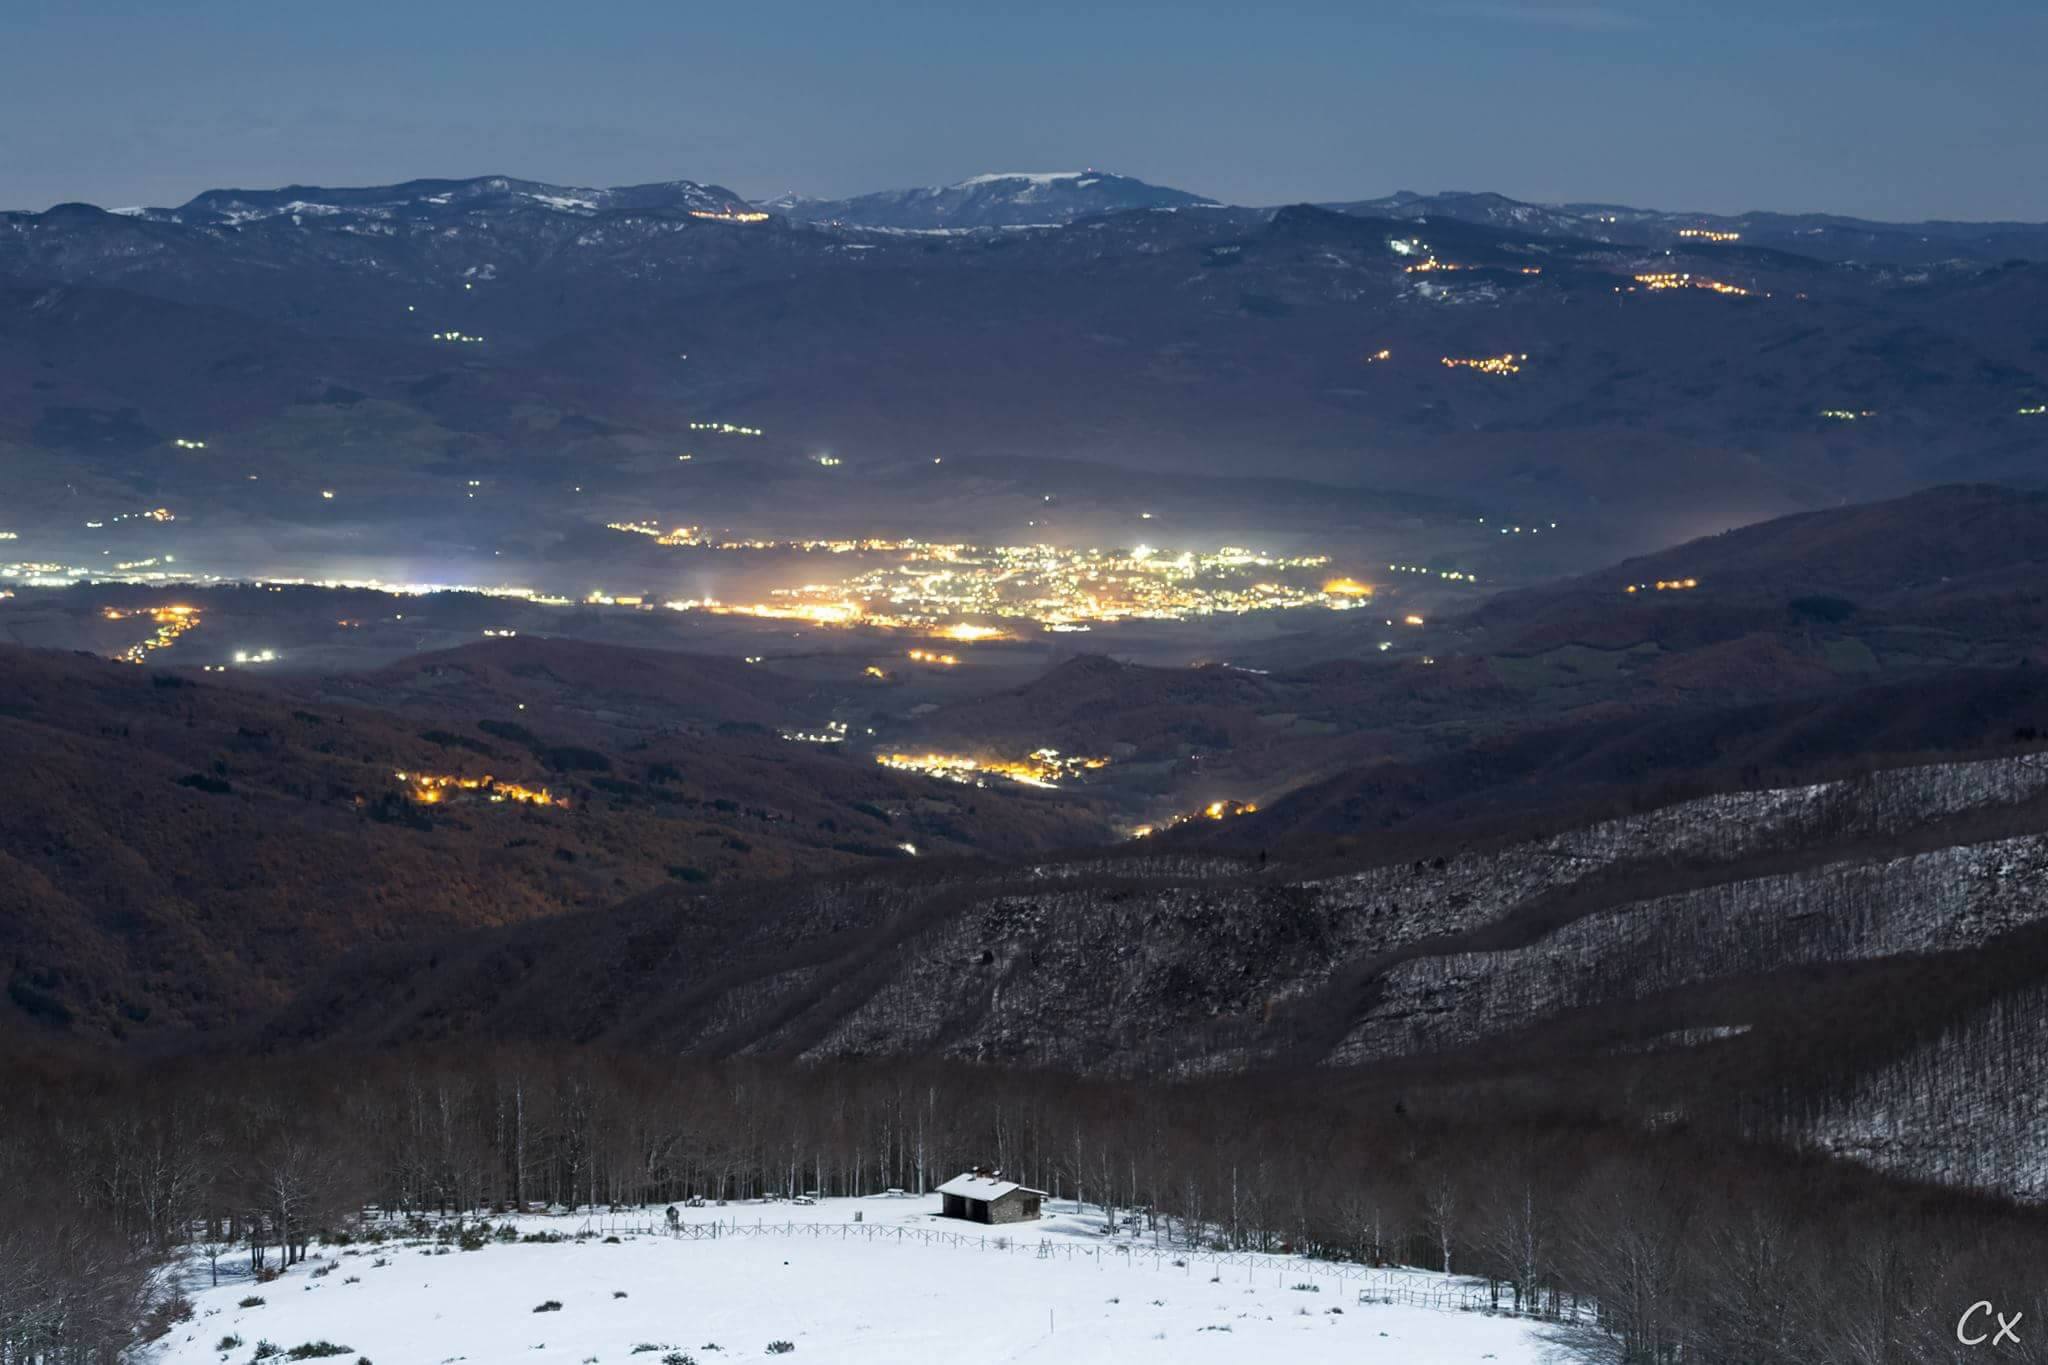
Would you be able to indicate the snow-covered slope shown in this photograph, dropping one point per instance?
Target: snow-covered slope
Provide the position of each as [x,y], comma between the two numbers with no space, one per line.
[834,1290]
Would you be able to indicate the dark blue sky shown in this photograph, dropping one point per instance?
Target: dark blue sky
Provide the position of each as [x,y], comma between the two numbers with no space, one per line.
[1876,107]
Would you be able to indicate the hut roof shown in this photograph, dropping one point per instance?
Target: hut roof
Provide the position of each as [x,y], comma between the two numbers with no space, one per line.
[986,1187]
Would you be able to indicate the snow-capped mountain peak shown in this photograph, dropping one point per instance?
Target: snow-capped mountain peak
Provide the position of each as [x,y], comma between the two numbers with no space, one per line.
[993,199]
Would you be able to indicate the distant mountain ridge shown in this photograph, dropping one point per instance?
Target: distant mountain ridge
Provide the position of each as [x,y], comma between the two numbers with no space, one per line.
[1827,236]
[457,329]
[1014,199]
[437,200]
[994,200]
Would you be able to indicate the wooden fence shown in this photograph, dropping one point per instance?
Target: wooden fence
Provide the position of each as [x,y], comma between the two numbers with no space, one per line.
[1367,1284]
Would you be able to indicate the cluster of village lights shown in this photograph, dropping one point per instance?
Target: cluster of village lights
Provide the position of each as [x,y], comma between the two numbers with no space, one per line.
[1042,768]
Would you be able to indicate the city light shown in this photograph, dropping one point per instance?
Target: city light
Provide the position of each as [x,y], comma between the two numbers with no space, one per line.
[432,789]
[1042,768]
[942,587]
[1490,364]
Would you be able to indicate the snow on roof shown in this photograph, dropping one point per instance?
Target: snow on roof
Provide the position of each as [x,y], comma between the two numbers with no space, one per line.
[968,1185]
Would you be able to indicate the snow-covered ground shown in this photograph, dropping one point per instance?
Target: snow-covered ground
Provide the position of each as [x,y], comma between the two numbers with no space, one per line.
[1050,1291]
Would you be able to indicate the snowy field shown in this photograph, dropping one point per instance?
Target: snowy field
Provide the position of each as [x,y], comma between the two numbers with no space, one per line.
[1049,1291]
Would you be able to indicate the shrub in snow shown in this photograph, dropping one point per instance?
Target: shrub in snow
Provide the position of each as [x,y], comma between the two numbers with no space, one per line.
[678,1358]
[265,1351]
[618,1293]
[781,1348]
[1306,1288]
[316,1350]
[551,1306]
[228,1342]
[253,1301]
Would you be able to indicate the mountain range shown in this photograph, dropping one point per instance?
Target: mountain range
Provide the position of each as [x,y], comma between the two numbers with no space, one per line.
[1008,199]
[391,344]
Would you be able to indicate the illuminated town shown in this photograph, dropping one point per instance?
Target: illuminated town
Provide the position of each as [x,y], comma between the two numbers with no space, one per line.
[1709,235]
[1042,768]
[1215,810]
[170,623]
[1664,585]
[933,585]
[432,789]
[1684,280]
[1490,364]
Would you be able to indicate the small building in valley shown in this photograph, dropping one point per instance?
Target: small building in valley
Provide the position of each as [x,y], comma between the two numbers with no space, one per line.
[983,1196]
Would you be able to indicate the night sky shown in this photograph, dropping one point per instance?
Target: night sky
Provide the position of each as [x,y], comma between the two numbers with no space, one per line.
[1875,107]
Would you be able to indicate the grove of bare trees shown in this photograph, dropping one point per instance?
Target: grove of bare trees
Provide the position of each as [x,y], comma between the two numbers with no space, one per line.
[1640,1247]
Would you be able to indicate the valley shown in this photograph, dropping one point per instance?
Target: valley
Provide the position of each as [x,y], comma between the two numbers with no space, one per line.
[1490,749]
